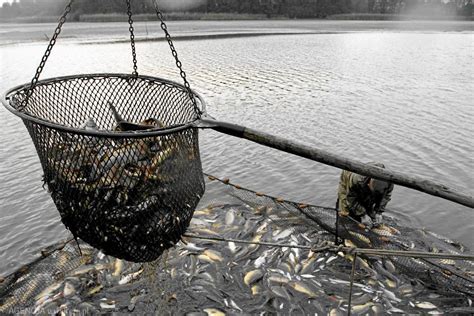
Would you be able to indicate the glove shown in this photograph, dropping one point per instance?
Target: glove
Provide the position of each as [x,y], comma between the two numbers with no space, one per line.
[366,220]
[377,220]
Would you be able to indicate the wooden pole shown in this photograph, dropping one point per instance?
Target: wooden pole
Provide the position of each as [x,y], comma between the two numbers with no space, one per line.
[322,156]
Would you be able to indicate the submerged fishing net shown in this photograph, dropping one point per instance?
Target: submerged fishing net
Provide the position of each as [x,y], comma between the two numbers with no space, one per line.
[211,276]
[127,189]
[454,275]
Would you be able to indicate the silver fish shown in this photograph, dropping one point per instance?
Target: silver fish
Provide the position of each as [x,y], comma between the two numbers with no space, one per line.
[361,309]
[253,276]
[229,217]
[130,277]
[391,296]
[303,288]
[89,125]
[284,234]
[232,247]
[281,292]
[193,247]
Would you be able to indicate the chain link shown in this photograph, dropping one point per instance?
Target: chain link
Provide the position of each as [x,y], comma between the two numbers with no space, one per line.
[175,55]
[132,38]
[52,42]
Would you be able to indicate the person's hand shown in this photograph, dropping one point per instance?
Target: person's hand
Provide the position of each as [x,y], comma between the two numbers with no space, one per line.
[366,220]
[377,220]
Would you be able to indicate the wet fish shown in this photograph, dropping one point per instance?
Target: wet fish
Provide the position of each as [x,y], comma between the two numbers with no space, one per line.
[229,217]
[203,212]
[361,237]
[69,289]
[256,289]
[262,259]
[284,234]
[390,283]
[381,270]
[405,289]
[279,279]
[281,292]
[214,255]
[303,288]
[130,277]
[232,247]
[123,125]
[253,276]
[391,296]
[107,305]
[95,290]
[153,122]
[234,305]
[426,305]
[450,262]
[89,268]
[377,309]
[361,309]
[308,265]
[203,230]
[285,266]
[205,258]
[389,266]
[331,259]
[49,290]
[337,312]
[193,247]
[361,299]
[118,267]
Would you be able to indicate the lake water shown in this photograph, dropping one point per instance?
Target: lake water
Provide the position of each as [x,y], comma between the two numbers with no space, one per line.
[396,92]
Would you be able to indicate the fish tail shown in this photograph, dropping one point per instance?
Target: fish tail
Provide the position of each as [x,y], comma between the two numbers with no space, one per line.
[116,115]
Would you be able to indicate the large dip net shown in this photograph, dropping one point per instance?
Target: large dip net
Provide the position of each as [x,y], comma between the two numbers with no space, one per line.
[132,196]
[119,153]
[249,253]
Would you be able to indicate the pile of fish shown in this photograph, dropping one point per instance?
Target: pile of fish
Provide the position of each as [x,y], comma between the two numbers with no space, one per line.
[131,197]
[95,163]
[208,277]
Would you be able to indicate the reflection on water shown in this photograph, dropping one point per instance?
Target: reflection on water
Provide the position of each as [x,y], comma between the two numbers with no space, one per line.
[403,98]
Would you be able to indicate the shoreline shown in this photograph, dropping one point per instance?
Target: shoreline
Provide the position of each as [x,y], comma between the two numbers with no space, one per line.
[105,18]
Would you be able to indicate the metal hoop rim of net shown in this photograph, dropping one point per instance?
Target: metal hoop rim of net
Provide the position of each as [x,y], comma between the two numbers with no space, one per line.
[5,99]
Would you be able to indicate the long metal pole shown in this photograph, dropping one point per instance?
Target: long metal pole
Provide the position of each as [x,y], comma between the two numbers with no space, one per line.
[319,155]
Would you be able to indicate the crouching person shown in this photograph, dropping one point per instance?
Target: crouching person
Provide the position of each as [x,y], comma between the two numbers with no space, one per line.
[362,197]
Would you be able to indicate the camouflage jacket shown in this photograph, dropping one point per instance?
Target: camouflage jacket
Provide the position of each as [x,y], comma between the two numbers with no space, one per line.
[356,198]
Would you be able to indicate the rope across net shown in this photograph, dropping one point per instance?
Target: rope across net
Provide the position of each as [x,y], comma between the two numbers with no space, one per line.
[128,193]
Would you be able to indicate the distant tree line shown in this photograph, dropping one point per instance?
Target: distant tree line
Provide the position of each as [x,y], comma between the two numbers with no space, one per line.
[286,8]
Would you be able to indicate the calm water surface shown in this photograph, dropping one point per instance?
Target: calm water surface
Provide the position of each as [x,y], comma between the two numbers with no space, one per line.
[393,92]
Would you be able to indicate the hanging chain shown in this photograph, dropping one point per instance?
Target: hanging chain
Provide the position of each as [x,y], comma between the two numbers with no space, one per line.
[57,31]
[175,55]
[132,38]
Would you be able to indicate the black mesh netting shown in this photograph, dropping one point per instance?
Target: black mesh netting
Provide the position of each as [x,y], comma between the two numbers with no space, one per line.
[130,196]
[451,275]
[209,277]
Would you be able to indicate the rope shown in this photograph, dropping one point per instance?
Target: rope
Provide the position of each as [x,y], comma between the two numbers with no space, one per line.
[349,250]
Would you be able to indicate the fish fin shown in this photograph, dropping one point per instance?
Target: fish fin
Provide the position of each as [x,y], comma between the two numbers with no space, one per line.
[119,119]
